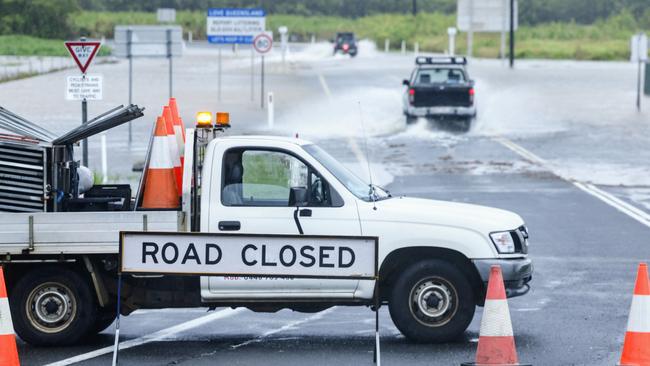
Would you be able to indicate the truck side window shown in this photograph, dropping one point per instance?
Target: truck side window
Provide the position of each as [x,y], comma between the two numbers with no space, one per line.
[263,178]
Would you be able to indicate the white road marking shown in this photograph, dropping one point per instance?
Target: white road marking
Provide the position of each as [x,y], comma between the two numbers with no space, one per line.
[608,198]
[323,84]
[153,337]
[287,326]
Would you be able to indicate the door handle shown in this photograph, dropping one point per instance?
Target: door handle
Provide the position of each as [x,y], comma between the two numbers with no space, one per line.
[229,225]
[305,212]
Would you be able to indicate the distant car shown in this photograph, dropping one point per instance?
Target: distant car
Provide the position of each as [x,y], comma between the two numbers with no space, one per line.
[345,43]
[440,88]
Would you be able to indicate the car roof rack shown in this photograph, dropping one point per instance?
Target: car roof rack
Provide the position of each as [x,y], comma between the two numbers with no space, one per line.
[441,60]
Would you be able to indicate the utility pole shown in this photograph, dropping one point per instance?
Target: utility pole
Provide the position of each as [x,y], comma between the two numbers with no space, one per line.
[415,7]
[512,33]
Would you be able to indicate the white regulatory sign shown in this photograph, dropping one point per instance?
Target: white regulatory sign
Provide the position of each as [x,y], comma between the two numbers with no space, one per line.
[639,48]
[263,42]
[485,15]
[89,87]
[269,255]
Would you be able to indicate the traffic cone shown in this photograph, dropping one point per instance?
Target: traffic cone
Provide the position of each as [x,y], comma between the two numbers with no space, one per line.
[179,132]
[8,349]
[173,147]
[496,343]
[160,182]
[636,347]
[177,117]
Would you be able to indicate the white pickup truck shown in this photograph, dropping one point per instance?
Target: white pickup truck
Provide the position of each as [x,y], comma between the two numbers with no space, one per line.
[434,256]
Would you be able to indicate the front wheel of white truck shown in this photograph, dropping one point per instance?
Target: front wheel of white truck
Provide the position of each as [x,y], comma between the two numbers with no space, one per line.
[52,306]
[432,301]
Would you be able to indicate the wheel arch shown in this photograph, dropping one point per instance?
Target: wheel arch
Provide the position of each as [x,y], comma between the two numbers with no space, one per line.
[400,258]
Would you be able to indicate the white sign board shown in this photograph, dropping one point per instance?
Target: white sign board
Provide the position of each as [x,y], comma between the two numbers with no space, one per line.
[226,25]
[639,48]
[148,41]
[166,15]
[264,255]
[263,42]
[89,87]
[485,15]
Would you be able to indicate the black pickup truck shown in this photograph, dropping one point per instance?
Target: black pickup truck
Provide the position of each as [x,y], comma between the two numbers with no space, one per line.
[440,89]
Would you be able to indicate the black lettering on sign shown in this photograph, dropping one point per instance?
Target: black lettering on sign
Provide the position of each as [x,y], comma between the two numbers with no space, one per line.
[243,255]
[208,258]
[191,253]
[303,252]
[352,257]
[165,251]
[149,249]
[264,261]
[290,249]
[323,256]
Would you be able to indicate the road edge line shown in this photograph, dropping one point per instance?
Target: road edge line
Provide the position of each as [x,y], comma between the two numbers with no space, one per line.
[609,199]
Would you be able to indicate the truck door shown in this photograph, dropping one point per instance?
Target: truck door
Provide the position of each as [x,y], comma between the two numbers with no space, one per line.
[253,198]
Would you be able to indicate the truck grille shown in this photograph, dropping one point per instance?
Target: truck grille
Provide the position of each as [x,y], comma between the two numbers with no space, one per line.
[21,177]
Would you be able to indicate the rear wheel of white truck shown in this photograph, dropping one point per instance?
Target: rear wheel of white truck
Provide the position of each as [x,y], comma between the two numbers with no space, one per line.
[52,306]
[432,301]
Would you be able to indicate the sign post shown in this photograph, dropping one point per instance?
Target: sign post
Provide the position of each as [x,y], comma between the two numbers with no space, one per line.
[83,52]
[263,43]
[234,26]
[639,54]
[218,254]
[148,41]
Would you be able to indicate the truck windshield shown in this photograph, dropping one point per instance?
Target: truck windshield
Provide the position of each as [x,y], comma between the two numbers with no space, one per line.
[439,75]
[354,184]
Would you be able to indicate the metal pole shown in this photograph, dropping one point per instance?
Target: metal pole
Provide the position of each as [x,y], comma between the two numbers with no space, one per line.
[262,87]
[470,31]
[84,119]
[169,56]
[252,74]
[377,352]
[219,76]
[116,345]
[638,85]
[129,37]
[512,33]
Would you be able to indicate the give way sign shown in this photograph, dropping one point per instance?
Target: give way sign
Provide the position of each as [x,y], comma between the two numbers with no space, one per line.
[83,53]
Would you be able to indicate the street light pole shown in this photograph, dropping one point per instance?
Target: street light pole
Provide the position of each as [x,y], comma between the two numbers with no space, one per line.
[512,33]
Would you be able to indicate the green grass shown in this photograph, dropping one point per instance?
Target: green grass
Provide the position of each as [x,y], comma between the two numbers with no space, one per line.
[19,45]
[603,40]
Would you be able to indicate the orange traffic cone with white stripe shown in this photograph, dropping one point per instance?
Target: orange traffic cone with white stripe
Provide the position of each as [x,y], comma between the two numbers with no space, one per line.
[8,349]
[160,182]
[173,147]
[636,347]
[179,130]
[496,343]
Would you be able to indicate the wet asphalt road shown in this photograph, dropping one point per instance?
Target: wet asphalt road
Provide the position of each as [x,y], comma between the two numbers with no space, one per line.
[585,251]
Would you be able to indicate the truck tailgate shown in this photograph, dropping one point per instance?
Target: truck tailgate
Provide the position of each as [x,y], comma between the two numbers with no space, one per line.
[77,232]
[442,96]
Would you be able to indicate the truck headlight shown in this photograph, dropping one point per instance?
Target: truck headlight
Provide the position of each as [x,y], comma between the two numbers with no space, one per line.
[503,241]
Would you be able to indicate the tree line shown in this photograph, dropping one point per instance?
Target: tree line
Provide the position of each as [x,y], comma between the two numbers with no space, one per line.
[51,19]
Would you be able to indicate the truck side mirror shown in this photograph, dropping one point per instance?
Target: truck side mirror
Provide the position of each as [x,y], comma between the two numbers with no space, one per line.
[298,197]
[406,82]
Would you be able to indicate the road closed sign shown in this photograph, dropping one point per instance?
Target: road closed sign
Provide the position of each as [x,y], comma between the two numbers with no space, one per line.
[88,87]
[268,255]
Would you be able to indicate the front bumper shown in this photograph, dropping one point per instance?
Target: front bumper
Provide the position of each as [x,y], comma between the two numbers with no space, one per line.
[517,272]
[440,111]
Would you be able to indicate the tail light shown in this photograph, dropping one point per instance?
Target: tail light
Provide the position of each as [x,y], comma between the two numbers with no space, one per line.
[471,95]
[411,95]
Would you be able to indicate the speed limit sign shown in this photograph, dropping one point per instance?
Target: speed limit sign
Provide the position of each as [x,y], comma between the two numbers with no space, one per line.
[263,42]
